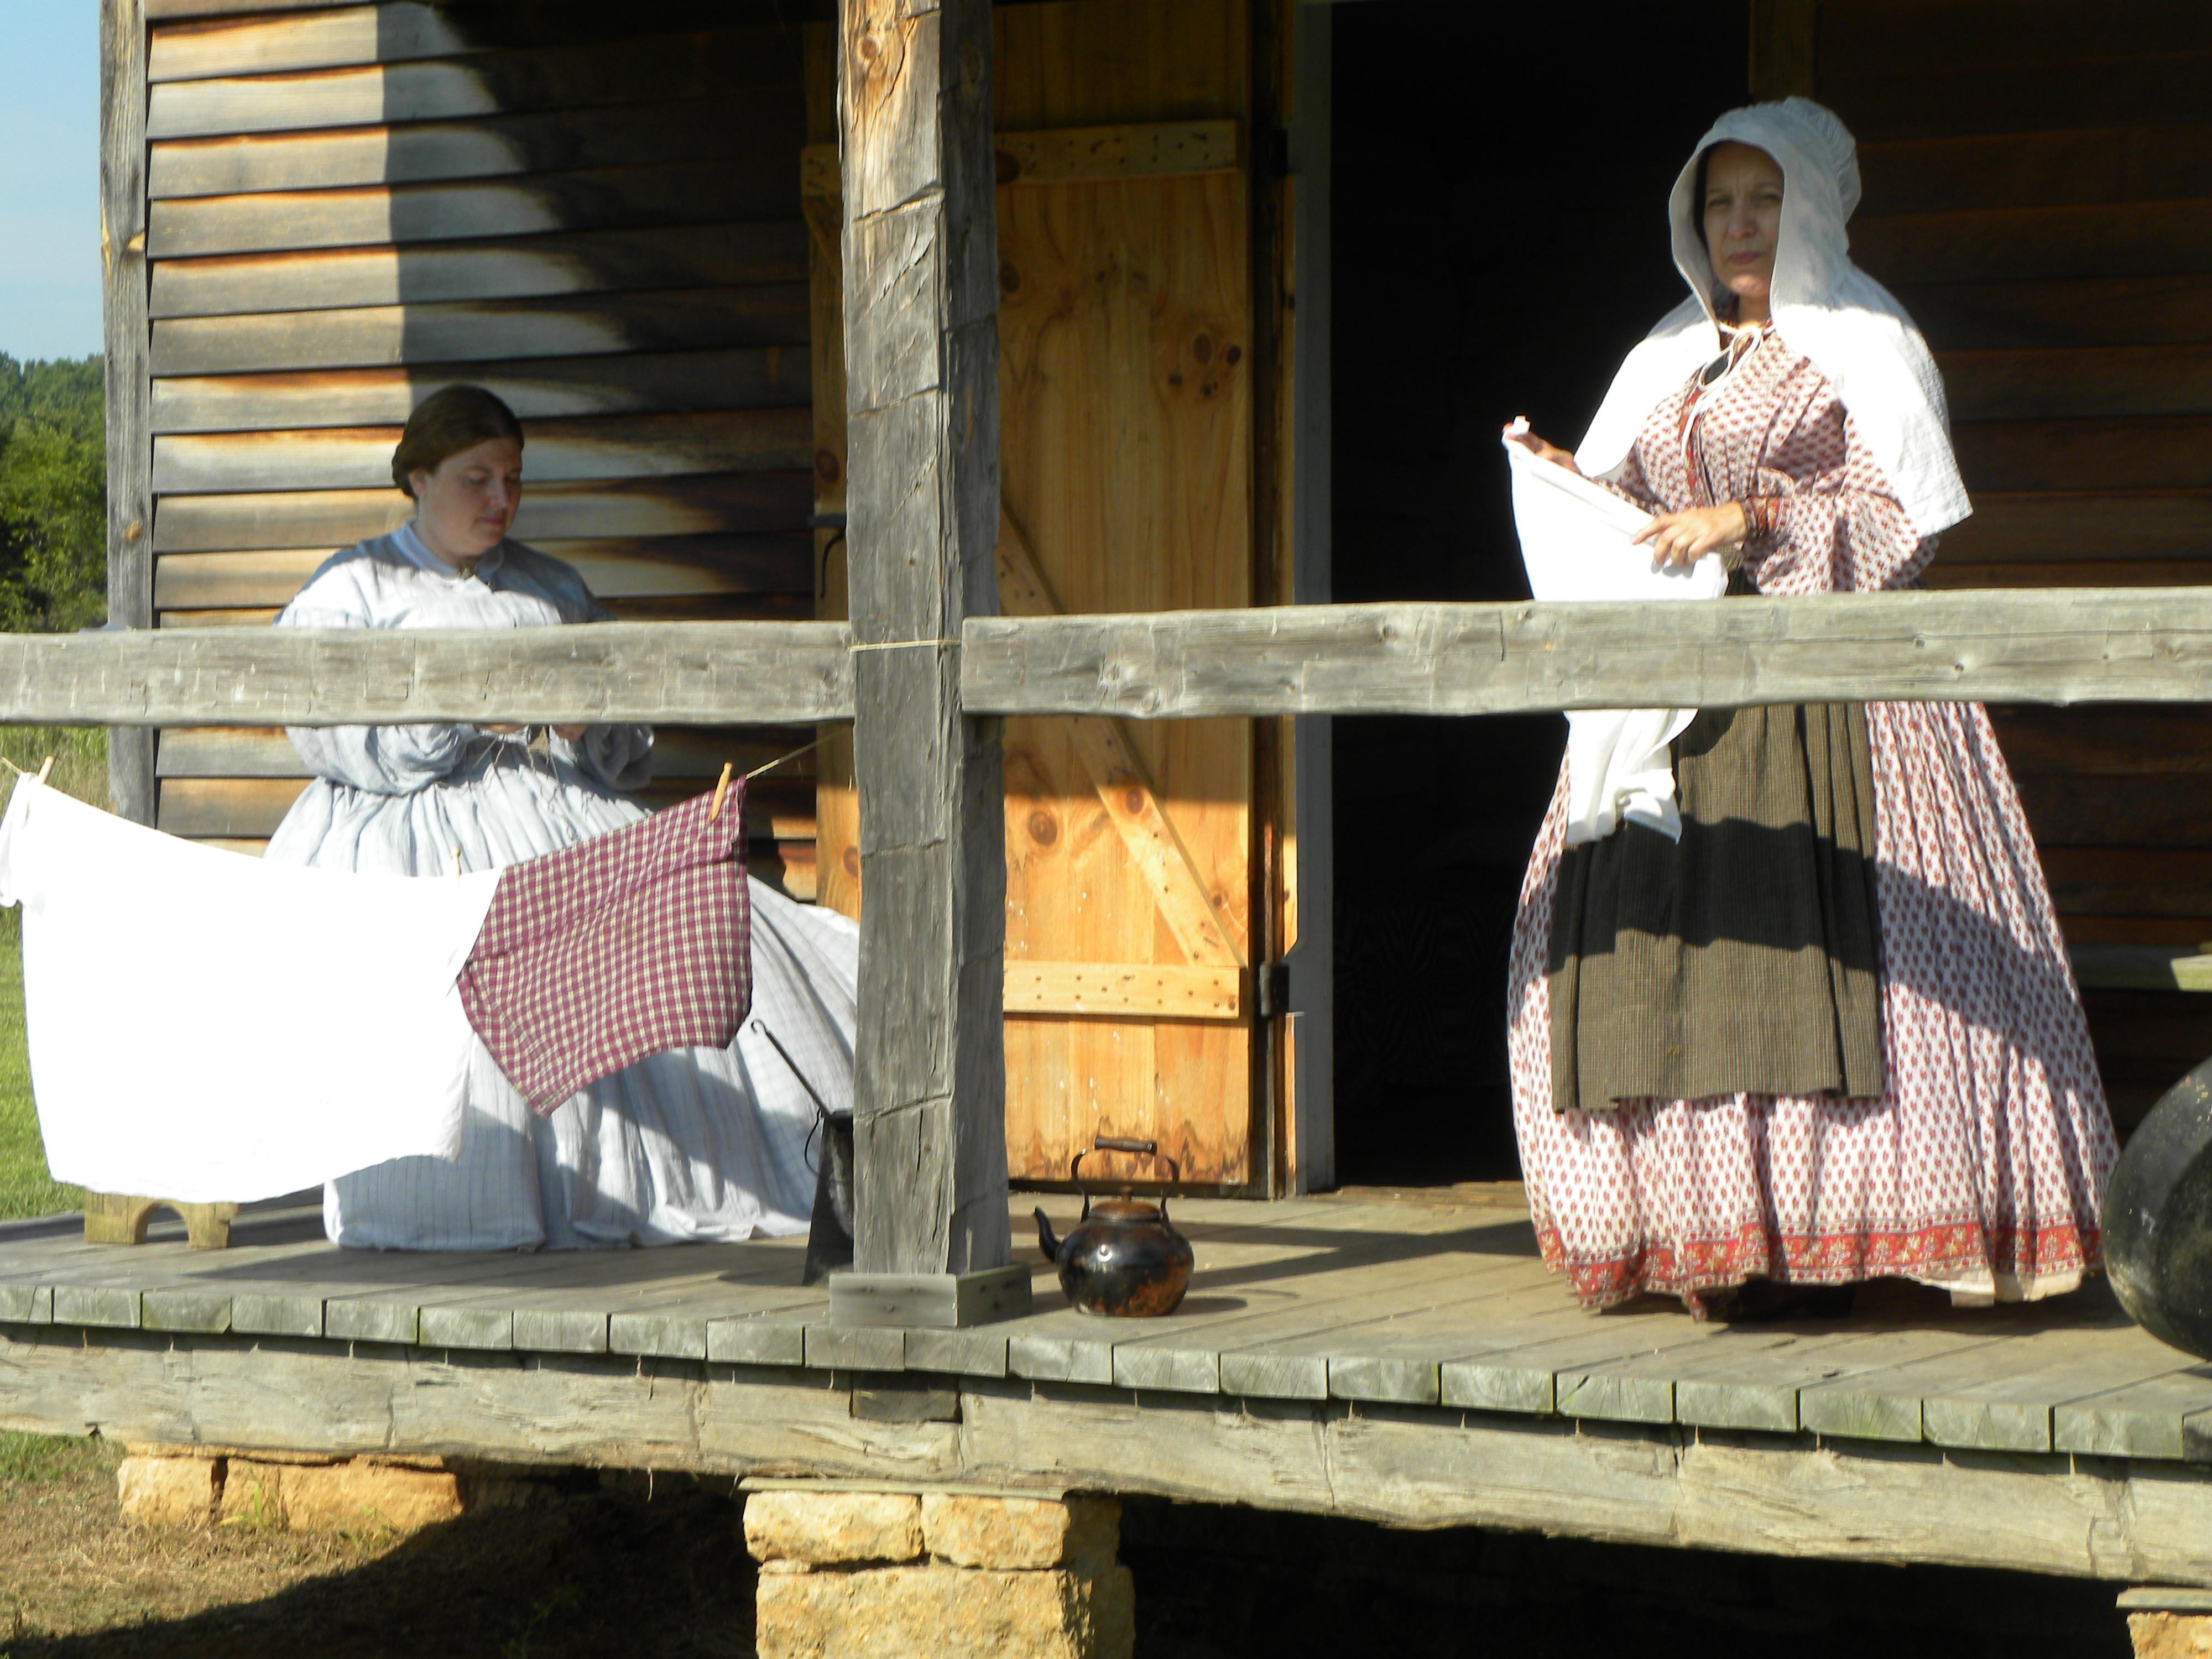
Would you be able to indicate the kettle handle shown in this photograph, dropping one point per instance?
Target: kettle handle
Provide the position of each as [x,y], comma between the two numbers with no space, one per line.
[1121,1144]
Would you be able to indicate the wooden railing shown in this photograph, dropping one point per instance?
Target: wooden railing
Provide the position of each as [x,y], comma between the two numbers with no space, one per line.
[2046,645]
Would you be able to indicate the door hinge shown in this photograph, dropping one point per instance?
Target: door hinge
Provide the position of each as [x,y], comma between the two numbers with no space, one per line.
[1271,982]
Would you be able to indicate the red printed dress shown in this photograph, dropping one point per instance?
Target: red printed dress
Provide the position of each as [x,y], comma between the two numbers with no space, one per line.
[1982,1166]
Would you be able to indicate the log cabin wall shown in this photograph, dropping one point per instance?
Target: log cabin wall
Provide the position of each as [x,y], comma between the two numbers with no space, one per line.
[2038,191]
[594,210]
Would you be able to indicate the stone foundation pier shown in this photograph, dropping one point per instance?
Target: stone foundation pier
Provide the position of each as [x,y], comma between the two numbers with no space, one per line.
[953,1574]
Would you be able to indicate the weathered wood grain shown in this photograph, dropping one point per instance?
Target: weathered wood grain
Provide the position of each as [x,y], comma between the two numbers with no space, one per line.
[2083,311]
[2134,239]
[587,262]
[2031,169]
[378,337]
[2162,452]
[758,377]
[2051,645]
[1207,936]
[2020,647]
[2112,1520]
[1146,990]
[713,504]
[2098,526]
[167,10]
[643,567]
[683,672]
[1048,156]
[921,281]
[390,32]
[672,66]
[559,450]
[2077,382]
[126,335]
[495,146]
[668,193]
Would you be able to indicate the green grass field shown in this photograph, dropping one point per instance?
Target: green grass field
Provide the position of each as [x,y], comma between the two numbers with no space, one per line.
[80,767]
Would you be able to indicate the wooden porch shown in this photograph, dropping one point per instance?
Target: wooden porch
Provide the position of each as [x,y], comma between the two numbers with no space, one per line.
[1399,1357]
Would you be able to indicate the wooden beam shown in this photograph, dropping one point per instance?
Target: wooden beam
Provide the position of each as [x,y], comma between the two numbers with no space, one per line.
[2041,646]
[1142,990]
[681,673]
[2048,645]
[921,270]
[127,338]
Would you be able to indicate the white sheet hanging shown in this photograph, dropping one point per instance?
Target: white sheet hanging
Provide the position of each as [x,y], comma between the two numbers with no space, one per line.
[1576,542]
[196,1018]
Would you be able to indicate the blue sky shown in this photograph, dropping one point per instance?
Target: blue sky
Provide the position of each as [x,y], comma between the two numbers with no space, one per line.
[49,178]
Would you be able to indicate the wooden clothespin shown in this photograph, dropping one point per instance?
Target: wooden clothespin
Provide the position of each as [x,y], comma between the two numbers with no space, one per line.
[44,767]
[721,786]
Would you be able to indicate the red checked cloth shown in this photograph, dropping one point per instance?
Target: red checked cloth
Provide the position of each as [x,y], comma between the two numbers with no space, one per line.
[622,946]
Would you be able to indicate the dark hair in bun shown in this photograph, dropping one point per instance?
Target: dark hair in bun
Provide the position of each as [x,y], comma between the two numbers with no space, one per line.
[447,423]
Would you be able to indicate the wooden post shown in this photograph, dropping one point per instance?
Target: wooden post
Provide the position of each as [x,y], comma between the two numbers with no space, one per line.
[128,342]
[921,273]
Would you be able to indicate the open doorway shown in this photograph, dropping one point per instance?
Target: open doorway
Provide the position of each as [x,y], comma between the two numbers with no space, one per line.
[1497,249]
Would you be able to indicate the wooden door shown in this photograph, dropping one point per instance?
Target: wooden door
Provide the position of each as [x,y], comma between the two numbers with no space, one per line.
[1128,391]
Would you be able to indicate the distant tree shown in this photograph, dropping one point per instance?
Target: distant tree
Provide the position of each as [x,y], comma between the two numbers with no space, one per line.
[53,495]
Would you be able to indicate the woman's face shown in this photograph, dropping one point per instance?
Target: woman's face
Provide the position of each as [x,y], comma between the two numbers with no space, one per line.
[1743,223]
[463,505]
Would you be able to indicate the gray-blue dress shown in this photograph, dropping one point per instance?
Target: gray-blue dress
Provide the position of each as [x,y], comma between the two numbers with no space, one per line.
[694,1144]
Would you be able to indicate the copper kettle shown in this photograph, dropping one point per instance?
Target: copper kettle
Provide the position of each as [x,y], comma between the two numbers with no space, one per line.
[1124,1258]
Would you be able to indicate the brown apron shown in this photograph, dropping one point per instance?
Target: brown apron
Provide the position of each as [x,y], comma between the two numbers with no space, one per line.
[1745,958]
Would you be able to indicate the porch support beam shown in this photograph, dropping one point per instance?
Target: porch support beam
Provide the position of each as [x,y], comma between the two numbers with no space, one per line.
[921,273]
[128,340]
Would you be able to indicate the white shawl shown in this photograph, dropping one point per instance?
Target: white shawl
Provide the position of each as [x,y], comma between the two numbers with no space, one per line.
[1850,325]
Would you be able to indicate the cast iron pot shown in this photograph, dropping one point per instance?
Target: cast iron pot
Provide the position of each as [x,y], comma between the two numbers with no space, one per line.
[2158,1217]
[1123,1258]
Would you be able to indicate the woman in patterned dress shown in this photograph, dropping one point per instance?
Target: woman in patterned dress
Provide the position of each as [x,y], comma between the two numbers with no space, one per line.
[1831,1033]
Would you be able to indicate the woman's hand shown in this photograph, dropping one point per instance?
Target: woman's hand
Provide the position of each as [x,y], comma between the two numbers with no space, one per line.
[1681,539]
[1542,451]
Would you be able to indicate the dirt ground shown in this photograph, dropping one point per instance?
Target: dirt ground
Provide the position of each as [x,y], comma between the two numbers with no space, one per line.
[599,1569]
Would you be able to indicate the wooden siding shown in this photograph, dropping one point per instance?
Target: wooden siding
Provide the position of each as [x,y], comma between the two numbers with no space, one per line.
[595,213]
[2038,191]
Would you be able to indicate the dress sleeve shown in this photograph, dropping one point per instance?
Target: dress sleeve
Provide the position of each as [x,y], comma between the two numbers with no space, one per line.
[385,760]
[619,756]
[1838,528]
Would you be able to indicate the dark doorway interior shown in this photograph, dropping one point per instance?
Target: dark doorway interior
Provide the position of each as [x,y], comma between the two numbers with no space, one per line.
[1500,183]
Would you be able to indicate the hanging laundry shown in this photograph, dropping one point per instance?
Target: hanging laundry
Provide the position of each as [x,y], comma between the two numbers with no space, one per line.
[621,946]
[140,951]
[1577,543]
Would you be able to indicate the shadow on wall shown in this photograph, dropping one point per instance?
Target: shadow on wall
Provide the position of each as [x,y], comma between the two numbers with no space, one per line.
[1496,253]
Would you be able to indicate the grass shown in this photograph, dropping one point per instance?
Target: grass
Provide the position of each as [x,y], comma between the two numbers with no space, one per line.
[81,770]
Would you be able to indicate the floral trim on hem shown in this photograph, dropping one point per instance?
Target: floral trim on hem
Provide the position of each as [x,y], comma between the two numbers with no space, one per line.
[1932,1253]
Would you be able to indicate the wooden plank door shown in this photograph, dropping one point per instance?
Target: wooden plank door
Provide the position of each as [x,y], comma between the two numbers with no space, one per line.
[1127,408]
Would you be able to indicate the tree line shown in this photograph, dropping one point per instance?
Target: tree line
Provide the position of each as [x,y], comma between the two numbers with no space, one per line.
[53,495]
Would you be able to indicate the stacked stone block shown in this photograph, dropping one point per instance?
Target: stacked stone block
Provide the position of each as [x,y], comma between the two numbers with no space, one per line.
[871,1574]
[170,1486]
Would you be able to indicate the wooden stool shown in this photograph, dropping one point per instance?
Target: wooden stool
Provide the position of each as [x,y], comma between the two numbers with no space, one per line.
[122,1219]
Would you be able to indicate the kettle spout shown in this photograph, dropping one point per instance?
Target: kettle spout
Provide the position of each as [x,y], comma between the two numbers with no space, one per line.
[1045,1240]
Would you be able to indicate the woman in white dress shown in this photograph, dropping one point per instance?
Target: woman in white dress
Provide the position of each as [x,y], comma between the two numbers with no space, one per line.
[692,1144]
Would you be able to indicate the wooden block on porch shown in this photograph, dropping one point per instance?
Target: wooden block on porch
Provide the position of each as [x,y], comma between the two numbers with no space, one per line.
[929,1301]
[123,1219]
